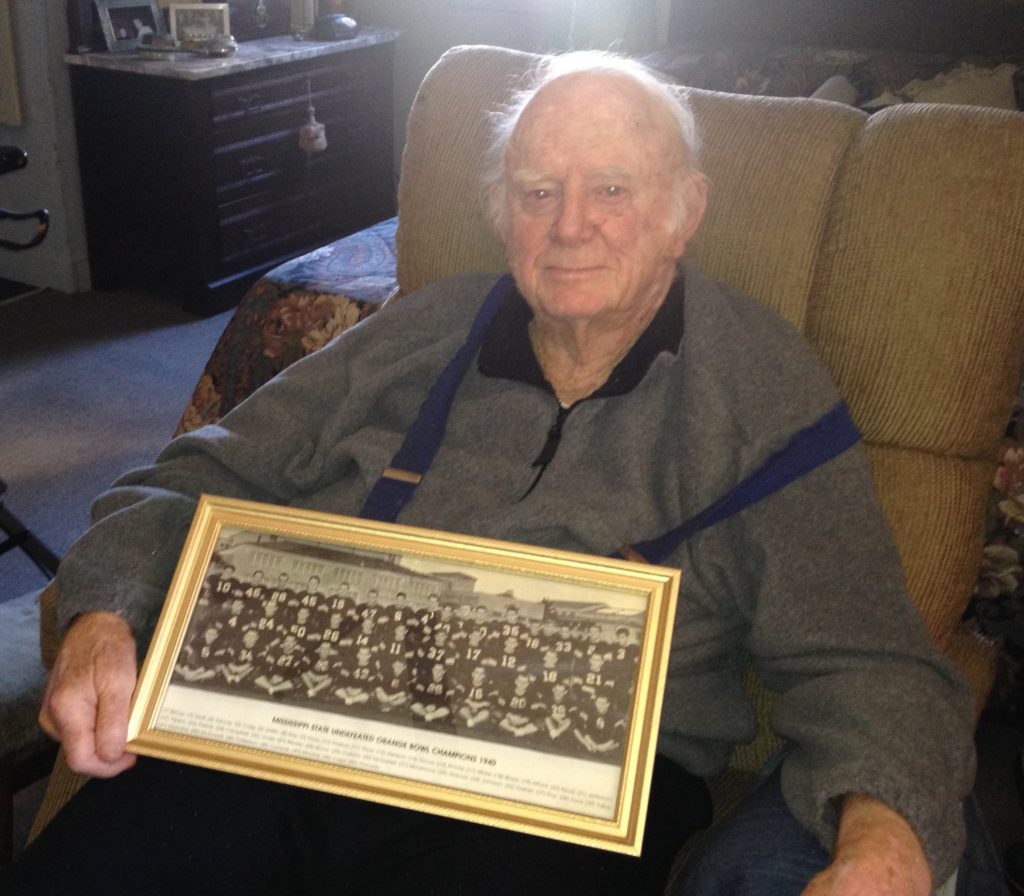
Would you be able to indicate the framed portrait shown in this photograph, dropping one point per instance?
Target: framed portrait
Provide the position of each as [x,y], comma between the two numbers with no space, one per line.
[125,22]
[495,682]
[193,23]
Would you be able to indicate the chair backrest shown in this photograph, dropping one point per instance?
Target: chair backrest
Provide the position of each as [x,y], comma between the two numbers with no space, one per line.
[895,243]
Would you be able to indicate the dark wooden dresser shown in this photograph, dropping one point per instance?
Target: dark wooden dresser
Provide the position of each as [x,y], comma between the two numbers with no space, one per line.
[193,179]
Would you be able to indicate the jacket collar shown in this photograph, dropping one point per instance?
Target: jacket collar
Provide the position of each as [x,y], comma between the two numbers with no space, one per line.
[508,354]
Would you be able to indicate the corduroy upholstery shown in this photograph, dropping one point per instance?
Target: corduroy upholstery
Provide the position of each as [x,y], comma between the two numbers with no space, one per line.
[895,243]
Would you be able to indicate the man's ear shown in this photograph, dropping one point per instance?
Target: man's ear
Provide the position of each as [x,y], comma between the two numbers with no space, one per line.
[693,200]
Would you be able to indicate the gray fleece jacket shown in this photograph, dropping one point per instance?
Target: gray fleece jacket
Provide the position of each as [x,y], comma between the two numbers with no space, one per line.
[807,583]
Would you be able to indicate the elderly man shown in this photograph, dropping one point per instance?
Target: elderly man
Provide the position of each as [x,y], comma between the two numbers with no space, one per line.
[613,395]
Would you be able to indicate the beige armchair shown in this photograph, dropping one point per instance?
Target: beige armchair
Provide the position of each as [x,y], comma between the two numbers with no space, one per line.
[895,243]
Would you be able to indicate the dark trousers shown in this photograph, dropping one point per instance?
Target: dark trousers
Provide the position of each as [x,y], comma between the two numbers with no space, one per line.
[175,829]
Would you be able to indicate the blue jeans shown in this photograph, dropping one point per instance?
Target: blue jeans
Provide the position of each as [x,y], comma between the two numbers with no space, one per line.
[764,851]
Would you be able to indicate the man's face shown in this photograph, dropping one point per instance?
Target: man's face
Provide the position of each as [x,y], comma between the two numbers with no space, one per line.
[591,228]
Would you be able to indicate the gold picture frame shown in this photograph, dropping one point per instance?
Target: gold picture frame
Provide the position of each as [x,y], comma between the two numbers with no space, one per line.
[472,691]
[193,23]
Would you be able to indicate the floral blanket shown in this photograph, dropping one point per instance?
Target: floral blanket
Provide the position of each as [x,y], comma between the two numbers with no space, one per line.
[292,311]
[997,607]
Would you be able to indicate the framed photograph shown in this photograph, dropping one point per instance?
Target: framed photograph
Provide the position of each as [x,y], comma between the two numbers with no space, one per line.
[126,22]
[496,682]
[192,23]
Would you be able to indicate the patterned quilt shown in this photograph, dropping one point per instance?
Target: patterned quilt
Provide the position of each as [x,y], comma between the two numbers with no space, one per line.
[292,311]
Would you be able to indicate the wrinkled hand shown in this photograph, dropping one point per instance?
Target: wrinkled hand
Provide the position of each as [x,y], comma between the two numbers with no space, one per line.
[87,698]
[877,854]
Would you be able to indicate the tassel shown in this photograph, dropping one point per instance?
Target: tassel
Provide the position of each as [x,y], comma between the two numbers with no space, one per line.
[312,135]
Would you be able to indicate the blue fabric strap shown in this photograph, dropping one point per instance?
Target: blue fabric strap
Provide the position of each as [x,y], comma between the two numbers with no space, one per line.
[395,488]
[829,436]
[824,439]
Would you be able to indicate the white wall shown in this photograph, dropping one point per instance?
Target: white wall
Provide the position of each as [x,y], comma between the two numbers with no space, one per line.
[47,135]
[429,27]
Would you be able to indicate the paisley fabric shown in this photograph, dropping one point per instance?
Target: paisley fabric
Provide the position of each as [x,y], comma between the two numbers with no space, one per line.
[292,311]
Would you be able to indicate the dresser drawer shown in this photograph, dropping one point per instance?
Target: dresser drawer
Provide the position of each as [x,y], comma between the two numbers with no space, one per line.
[221,179]
[263,104]
[353,137]
[274,221]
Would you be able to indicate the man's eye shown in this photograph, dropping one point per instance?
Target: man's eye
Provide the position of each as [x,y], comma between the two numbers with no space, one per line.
[538,195]
[613,191]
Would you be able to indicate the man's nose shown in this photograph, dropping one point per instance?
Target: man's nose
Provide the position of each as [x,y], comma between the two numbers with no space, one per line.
[576,219]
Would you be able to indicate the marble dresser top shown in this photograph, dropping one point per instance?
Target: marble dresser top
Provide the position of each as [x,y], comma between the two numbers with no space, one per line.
[251,54]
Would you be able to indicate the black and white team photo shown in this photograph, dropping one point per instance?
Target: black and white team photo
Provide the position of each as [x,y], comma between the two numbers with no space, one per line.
[366,634]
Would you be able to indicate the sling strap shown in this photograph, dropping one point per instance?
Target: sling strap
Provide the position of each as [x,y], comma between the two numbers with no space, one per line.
[396,485]
[828,436]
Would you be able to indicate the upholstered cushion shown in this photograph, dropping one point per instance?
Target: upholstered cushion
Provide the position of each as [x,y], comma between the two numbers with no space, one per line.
[770,164]
[441,225]
[917,311]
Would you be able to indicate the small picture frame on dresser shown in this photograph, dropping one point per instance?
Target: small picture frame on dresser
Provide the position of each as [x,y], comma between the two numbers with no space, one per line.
[193,23]
[126,22]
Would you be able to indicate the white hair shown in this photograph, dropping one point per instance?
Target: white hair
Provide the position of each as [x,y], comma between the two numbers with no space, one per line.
[664,93]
